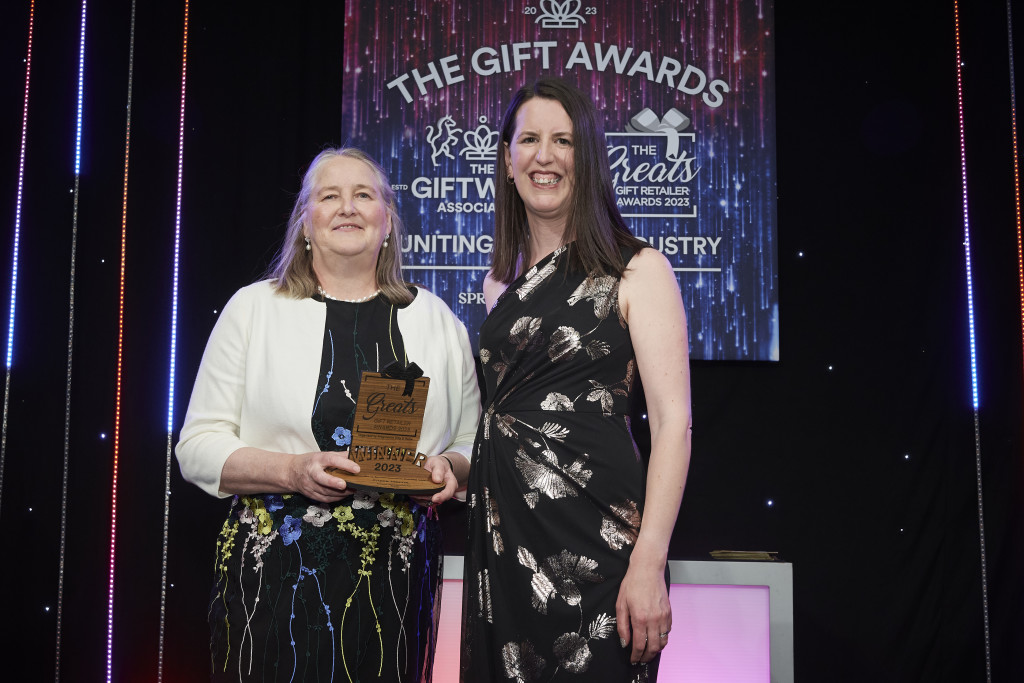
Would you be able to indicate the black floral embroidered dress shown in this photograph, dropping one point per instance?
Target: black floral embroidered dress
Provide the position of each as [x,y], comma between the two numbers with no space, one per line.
[307,591]
[557,484]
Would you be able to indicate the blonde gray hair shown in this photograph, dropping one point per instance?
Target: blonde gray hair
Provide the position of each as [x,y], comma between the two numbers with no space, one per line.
[292,267]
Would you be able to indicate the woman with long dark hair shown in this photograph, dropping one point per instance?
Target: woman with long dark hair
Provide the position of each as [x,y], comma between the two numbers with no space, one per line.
[566,558]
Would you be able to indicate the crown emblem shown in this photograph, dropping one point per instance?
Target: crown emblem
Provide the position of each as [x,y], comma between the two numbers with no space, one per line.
[556,14]
[481,144]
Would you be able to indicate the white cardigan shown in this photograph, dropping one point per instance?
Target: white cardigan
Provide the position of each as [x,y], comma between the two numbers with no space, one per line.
[257,381]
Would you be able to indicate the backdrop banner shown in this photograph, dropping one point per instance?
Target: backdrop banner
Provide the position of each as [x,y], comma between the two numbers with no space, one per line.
[687,93]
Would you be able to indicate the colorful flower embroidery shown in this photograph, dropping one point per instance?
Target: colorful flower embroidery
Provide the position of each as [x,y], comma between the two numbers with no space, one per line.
[263,519]
[364,500]
[402,511]
[291,529]
[225,542]
[342,513]
[316,515]
[386,518]
[342,436]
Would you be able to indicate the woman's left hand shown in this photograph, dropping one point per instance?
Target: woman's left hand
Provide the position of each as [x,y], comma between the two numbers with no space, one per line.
[643,613]
[440,473]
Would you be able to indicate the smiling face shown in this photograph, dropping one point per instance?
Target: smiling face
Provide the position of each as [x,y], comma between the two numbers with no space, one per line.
[540,159]
[346,216]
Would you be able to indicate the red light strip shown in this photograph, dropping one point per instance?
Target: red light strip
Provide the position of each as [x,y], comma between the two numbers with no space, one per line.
[1016,165]
[120,358]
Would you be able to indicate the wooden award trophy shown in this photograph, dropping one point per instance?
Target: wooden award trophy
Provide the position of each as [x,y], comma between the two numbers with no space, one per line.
[386,431]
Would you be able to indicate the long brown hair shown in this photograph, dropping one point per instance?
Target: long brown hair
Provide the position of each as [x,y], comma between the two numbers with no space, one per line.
[594,230]
[292,267]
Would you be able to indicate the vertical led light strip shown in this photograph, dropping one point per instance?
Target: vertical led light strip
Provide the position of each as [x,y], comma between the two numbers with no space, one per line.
[17,244]
[120,353]
[174,345]
[974,356]
[71,338]
[1016,164]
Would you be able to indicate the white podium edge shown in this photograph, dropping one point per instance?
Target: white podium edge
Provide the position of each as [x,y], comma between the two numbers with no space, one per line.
[777,576]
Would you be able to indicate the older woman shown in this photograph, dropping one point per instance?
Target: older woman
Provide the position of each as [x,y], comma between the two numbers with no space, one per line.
[313,582]
[568,530]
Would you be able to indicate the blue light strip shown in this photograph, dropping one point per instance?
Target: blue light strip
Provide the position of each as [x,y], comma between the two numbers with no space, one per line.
[81,90]
[967,226]
[21,185]
[974,355]
[174,344]
[16,247]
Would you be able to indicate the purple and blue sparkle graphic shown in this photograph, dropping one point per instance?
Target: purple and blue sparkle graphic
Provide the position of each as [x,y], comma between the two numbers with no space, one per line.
[687,92]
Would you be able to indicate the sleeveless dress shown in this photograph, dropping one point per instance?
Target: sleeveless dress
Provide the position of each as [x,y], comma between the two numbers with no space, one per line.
[556,487]
[346,591]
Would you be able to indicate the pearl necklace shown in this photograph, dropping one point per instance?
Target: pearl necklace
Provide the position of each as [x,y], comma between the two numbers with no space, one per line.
[347,301]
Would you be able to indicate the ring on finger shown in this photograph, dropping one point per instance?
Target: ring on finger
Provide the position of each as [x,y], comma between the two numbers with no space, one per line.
[663,635]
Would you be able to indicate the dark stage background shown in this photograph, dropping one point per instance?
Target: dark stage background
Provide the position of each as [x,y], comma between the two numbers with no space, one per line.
[862,436]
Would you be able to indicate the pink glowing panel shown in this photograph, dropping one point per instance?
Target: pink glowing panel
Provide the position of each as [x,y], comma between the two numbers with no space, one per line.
[719,634]
[446,659]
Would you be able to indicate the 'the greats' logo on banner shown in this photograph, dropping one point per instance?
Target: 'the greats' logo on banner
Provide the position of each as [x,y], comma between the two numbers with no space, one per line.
[687,96]
[653,166]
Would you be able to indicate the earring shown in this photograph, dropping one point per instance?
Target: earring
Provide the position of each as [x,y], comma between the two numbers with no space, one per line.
[308,245]
[386,238]
[510,178]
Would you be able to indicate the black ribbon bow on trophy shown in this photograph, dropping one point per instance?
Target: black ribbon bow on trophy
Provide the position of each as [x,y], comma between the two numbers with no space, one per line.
[409,373]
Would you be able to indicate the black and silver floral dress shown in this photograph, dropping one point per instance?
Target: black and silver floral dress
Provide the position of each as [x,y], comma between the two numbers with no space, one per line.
[557,485]
[307,591]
